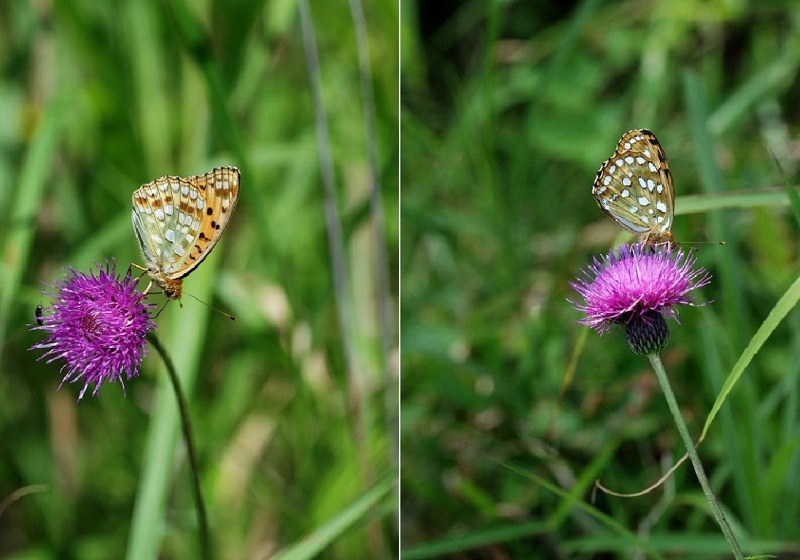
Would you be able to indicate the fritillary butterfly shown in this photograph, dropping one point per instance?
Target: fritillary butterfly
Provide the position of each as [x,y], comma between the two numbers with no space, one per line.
[634,188]
[178,221]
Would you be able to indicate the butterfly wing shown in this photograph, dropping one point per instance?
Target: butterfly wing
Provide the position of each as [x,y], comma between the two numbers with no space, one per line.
[219,191]
[634,187]
[149,230]
[178,221]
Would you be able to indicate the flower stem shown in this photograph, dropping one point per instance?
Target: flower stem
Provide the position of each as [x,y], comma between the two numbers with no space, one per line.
[186,426]
[661,373]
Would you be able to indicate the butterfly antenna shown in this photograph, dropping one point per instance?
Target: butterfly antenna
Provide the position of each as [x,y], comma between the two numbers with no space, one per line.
[690,244]
[231,317]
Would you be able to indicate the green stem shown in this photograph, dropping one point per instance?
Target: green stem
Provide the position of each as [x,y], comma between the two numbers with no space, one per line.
[186,426]
[661,373]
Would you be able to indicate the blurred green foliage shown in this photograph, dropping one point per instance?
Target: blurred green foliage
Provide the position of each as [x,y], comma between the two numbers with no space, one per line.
[296,444]
[511,410]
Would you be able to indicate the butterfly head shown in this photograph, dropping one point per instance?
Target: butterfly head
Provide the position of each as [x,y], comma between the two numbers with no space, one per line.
[171,287]
[659,239]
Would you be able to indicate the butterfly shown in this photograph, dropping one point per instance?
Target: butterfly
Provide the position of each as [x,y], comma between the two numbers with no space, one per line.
[178,221]
[634,188]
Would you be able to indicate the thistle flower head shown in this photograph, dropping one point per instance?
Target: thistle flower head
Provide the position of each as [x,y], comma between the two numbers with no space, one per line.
[96,325]
[637,287]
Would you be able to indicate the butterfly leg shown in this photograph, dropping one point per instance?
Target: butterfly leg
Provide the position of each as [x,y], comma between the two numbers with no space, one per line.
[144,270]
[147,289]
[163,307]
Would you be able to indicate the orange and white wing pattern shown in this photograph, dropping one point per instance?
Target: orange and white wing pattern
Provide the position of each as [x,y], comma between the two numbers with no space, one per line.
[178,221]
[634,188]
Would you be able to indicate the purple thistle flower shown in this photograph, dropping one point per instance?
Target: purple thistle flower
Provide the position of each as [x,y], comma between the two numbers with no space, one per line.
[636,287]
[97,326]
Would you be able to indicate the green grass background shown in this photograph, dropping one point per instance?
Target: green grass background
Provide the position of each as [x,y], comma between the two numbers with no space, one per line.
[511,410]
[297,442]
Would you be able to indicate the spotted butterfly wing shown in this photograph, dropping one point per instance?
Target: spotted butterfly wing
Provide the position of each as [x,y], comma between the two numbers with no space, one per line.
[634,188]
[178,221]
